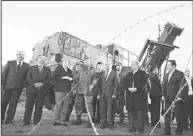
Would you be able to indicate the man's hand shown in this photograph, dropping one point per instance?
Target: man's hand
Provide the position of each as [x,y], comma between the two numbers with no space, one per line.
[74,92]
[24,89]
[36,85]
[132,89]
[179,99]
[65,77]
[163,98]
[98,97]
[113,96]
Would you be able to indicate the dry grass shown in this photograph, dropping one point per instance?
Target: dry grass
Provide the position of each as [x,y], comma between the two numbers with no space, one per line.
[48,129]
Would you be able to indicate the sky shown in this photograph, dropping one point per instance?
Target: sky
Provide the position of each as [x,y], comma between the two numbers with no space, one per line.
[25,23]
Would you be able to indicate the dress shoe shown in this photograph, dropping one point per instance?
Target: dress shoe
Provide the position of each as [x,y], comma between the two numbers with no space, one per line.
[88,125]
[103,126]
[178,133]
[63,124]
[56,124]
[139,133]
[25,124]
[168,133]
[97,121]
[111,127]
[8,122]
[132,130]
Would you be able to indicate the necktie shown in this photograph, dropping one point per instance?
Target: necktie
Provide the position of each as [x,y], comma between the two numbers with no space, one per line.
[106,74]
[19,66]
[40,68]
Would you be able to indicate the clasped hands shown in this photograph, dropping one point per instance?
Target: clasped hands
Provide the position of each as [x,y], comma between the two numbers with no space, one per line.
[67,78]
[132,89]
[38,85]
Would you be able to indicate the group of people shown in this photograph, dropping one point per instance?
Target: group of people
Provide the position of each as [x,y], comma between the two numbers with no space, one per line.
[101,92]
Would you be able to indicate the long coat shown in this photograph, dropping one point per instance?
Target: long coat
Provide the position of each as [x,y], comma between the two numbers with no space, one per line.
[136,100]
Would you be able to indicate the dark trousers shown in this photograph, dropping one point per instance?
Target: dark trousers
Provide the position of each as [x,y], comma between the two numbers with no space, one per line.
[155,110]
[96,108]
[38,99]
[10,97]
[137,120]
[71,100]
[190,110]
[179,114]
[106,114]
[121,104]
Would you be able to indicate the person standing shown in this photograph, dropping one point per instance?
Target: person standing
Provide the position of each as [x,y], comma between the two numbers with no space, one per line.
[120,93]
[155,96]
[84,94]
[135,83]
[96,103]
[71,98]
[108,84]
[173,81]
[13,82]
[189,115]
[63,79]
[38,78]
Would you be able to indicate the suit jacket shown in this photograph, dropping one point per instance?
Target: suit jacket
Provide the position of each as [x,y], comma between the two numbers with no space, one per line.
[96,76]
[12,78]
[171,88]
[108,87]
[136,100]
[35,76]
[156,89]
[192,83]
[121,90]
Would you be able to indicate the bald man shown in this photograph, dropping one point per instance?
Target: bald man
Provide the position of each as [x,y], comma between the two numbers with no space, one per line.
[135,84]
[13,82]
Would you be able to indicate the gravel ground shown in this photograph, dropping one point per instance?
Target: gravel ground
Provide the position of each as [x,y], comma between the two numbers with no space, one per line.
[48,129]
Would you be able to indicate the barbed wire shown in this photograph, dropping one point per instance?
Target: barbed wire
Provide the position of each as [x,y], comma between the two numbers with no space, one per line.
[147,18]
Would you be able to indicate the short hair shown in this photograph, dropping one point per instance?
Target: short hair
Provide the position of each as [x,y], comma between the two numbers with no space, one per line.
[119,64]
[40,56]
[114,68]
[173,62]
[98,63]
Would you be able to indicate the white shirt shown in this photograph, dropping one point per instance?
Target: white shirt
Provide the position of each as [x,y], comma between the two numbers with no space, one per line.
[188,79]
[107,74]
[170,74]
[20,63]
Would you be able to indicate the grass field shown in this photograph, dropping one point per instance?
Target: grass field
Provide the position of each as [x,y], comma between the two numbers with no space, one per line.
[47,128]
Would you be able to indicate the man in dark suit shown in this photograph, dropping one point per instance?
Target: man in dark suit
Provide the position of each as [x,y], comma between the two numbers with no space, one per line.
[108,83]
[155,96]
[38,79]
[13,82]
[135,83]
[189,104]
[120,94]
[96,103]
[173,81]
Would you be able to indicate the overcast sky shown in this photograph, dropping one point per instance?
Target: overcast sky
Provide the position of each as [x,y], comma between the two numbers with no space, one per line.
[26,23]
